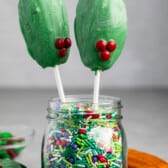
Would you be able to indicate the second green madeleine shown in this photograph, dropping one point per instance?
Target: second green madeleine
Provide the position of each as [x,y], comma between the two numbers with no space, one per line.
[100,30]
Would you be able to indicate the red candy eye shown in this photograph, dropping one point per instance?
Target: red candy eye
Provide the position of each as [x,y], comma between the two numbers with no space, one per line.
[105,55]
[111,46]
[59,44]
[67,42]
[101,45]
[62,52]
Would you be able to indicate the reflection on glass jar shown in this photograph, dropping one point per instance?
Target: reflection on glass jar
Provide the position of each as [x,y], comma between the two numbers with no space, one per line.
[79,134]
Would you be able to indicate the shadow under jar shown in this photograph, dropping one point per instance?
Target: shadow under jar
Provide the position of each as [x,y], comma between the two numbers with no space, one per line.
[81,134]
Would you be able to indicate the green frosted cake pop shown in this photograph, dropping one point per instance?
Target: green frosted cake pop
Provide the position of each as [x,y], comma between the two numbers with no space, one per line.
[100,30]
[44,24]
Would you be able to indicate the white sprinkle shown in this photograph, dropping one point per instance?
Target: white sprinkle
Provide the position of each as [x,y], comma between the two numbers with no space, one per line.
[78,157]
[52,147]
[116,164]
[57,131]
[56,155]
[87,120]
[79,165]
[53,159]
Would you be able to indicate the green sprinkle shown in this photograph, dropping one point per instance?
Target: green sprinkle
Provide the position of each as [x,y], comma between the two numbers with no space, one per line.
[5,135]
[88,161]
[101,164]
[69,164]
[3,142]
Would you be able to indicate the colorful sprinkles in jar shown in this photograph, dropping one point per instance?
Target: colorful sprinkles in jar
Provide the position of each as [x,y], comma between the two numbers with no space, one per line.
[82,137]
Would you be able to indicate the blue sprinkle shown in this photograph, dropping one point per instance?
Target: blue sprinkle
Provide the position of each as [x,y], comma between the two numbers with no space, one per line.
[57,106]
[75,146]
[94,159]
[50,156]
[63,166]
[52,163]
[48,148]
[58,135]
[71,160]
[68,144]
[66,135]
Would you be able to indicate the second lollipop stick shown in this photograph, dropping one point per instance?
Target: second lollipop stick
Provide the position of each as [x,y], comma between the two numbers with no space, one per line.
[96,89]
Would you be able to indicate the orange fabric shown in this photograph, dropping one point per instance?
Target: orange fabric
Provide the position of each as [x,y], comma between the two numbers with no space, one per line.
[137,159]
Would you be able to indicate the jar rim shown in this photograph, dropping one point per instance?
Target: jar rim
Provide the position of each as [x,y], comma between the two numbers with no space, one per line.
[82,104]
[114,102]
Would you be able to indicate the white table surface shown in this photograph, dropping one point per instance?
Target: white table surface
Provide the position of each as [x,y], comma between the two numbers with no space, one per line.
[145,118]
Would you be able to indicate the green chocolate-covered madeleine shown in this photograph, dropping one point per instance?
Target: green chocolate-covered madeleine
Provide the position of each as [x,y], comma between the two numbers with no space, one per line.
[44,24]
[100,30]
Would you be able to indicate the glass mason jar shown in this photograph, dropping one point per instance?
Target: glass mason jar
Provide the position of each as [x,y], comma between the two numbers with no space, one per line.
[81,135]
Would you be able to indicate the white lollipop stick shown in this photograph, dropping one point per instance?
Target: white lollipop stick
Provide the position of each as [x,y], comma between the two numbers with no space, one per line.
[96,89]
[59,84]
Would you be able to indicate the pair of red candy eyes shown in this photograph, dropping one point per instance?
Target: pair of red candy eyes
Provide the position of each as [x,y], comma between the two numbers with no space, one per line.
[63,44]
[105,48]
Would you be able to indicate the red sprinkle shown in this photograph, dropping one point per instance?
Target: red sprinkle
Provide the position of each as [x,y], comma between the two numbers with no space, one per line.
[100,156]
[63,129]
[63,143]
[111,46]
[103,159]
[105,55]
[59,44]
[62,52]
[87,115]
[89,111]
[116,129]
[101,45]
[110,151]
[108,116]
[82,131]
[12,153]
[94,116]
[57,143]
[67,42]
[114,136]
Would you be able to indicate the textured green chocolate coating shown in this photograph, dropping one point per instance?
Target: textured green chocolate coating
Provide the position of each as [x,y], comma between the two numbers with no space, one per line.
[96,20]
[42,22]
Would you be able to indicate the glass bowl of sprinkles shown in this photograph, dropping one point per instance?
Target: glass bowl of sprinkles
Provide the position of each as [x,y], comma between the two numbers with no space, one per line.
[14,139]
[80,134]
